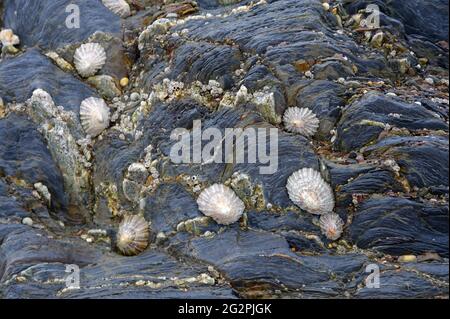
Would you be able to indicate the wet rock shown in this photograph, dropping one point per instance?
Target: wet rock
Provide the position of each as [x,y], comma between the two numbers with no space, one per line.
[423,160]
[54,25]
[24,156]
[400,226]
[364,120]
[169,206]
[19,77]
[324,98]
[402,284]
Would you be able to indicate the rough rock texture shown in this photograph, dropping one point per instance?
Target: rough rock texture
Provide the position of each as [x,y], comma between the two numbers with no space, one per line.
[382,144]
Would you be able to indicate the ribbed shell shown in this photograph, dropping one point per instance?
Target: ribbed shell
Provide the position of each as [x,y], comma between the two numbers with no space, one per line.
[301,120]
[133,235]
[89,58]
[308,190]
[94,116]
[331,225]
[119,7]
[221,204]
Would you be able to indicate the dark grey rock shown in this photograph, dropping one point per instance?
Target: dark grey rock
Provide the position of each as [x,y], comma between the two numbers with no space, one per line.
[48,29]
[24,156]
[400,226]
[20,76]
[364,120]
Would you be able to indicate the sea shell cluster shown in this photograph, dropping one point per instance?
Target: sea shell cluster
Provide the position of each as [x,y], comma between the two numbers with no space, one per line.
[89,58]
[308,190]
[221,204]
[119,7]
[301,120]
[331,225]
[133,235]
[94,116]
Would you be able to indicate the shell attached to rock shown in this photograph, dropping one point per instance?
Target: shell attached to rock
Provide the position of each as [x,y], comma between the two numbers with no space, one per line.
[221,204]
[331,225]
[94,116]
[308,190]
[133,235]
[301,120]
[7,37]
[89,58]
[119,7]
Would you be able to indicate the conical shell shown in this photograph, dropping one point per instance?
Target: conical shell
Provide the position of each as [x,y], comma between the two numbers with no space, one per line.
[301,120]
[94,116]
[221,204]
[331,225]
[308,190]
[119,7]
[133,235]
[89,58]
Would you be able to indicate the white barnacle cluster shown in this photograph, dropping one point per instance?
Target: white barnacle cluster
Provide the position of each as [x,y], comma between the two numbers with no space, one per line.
[221,204]
[168,89]
[308,190]
[94,116]
[301,120]
[331,225]
[119,7]
[8,38]
[89,58]
[133,235]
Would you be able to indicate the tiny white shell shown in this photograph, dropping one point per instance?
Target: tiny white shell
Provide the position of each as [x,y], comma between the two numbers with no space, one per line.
[94,116]
[301,120]
[308,190]
[119,7]
[133,235]
[89,58]
[331,225]
[221,204]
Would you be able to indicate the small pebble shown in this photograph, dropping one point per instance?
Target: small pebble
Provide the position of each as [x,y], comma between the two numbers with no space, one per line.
[407,259]
[430,81]
[124,82]
[27,221]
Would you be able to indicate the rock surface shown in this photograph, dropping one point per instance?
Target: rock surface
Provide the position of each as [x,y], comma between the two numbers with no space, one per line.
[382,145]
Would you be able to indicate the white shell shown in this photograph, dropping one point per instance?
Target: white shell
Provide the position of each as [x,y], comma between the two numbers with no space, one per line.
[301,120]
[331,225]
[310,192]
[119,7]
[221,204]
[133,235]
[94,116]
[7,37]
[89,58]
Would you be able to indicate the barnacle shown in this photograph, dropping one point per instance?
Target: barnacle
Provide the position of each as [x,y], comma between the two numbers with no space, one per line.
[221,203]
[310,192]
[331,225]
[119,7]
[301,120]
[94,116]
[133,235]
[89,58]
